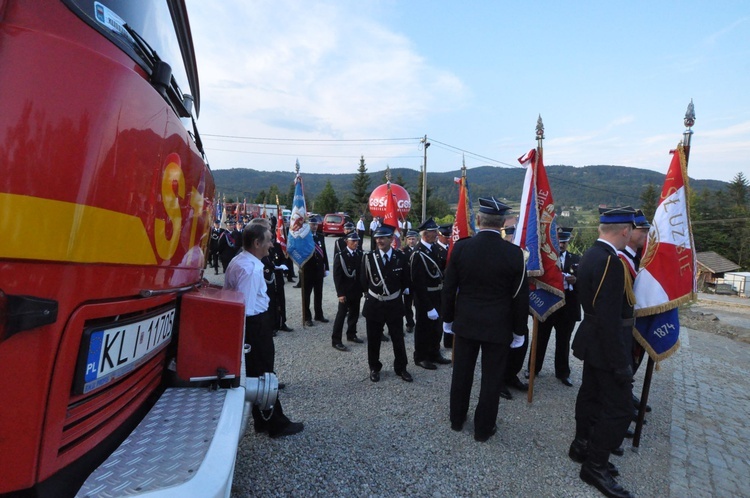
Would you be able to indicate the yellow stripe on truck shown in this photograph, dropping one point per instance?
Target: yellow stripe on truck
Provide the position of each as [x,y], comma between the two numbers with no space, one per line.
[50,230]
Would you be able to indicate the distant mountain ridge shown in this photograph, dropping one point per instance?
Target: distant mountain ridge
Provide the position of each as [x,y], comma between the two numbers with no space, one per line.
[586,186]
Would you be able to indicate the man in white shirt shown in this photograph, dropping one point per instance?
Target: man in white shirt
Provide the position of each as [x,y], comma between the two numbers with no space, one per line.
[245,275]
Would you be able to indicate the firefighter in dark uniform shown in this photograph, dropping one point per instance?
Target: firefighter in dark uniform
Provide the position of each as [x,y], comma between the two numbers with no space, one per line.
[341,241]
[228,248]
[445,232]
[426,267]
[564,319]
[604,340]
[213,246]
[412,239]
[485,306]
[315,270]
[346,266]
[385,277]
[279,261]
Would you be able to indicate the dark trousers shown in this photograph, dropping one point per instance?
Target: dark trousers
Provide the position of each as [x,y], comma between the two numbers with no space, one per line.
[515,360]
[349,308]
[314,286]
[604,408]
[465,352]
[374,336]
[280,298]
[259,360]
[427,334]
[563,330]
[213,260]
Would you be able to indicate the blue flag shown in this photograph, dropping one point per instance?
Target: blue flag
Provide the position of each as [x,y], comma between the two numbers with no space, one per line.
[300,245]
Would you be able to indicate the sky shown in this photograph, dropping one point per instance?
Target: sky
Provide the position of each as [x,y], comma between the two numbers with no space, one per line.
[327,82]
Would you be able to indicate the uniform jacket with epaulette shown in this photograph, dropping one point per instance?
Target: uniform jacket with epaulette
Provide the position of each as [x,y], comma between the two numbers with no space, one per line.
[605,336]
[426,272]
[346,268]
[381,282]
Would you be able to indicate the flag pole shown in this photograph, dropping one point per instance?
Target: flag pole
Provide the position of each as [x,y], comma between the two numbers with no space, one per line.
[535,326]
[300,271]
[689,121]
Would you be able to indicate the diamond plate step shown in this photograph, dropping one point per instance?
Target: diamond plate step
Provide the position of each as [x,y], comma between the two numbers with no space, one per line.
[165,450]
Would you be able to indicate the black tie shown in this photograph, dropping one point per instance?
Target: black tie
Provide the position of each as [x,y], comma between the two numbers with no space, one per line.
[385,259]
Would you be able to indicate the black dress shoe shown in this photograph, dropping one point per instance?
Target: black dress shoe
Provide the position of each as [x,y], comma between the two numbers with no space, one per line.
[427,365]
[566,381]
[441,360]
[291,428]
[309,323]
[322,320]
[298,285]
[286,328]
[405,375]
[340,347]
[599,476]
[516,383]
[385,338]
[505,393]
[579,452]
[619,451]
[410,330]
[629,434]
[374,375]
[484,437]
[355,339]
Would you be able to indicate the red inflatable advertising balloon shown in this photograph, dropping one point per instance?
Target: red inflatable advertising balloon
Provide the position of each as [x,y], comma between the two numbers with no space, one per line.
[378,200]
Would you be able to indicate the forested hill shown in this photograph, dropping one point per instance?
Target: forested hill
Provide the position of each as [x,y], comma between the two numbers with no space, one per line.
[586,186]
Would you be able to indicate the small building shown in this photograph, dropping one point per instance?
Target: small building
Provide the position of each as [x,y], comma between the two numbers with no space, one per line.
[739,282]
[711,270]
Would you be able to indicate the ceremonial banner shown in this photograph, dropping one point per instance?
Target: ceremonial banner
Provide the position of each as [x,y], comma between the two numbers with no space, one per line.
[463,227]
[536,234]
[391,216]
[666,277]
[300,245]
[280,232]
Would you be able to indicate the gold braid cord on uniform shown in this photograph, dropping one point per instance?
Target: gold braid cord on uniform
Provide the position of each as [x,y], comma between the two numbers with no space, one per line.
[593,303]
[628,284]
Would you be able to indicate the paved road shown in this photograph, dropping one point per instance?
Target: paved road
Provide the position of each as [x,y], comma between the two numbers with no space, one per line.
[393,438]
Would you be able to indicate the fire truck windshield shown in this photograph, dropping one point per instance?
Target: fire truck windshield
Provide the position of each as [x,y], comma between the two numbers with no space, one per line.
[147,30]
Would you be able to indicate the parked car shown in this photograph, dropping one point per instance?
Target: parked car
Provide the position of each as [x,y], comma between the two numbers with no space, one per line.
[333,223]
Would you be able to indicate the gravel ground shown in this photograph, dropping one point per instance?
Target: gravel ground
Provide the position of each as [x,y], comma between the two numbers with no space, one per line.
[393,438]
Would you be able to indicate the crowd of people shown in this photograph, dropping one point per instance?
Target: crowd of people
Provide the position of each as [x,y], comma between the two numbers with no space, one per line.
[476,300]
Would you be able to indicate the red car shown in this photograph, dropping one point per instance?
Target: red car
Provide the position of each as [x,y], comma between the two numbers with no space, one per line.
[333,223]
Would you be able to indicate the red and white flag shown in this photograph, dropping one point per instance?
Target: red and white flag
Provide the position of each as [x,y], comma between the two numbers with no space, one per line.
[667,274]
[666,277]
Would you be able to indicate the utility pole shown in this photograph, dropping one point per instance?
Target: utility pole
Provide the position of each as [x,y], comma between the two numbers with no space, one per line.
[424,179]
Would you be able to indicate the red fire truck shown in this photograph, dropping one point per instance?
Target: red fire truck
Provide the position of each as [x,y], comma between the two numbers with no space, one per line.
[121,371]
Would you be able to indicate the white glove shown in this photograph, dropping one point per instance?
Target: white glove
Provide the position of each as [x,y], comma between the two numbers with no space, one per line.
[517,341]
[448,327]
[281,267]
[326,274]
[406,292]
[433,314]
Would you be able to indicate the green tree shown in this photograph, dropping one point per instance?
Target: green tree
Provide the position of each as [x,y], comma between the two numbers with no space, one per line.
[261,197]
[274,192]
[649,200]
[327,202]
[738,191]
[357,203]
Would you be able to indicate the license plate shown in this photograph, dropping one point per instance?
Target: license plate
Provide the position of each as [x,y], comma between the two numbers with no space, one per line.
[113,351]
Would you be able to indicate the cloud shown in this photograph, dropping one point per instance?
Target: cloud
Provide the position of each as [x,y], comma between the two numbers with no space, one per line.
[317,69]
